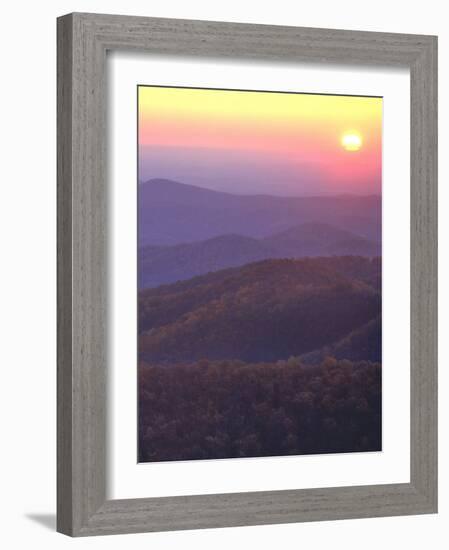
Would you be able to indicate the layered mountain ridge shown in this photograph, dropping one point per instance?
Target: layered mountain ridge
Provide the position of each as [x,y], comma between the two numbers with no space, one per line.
[171,213]
[166,264]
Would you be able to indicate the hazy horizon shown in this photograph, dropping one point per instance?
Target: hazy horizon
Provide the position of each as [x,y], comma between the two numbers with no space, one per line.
[259,193]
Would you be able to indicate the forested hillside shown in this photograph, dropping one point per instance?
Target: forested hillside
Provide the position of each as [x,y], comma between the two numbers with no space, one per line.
[264,311]
[275,357]
[216,409]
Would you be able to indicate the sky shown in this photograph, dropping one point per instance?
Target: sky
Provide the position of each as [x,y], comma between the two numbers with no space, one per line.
[251,142]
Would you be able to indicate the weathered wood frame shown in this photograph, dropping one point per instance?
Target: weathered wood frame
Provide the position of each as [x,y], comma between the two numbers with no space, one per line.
[83,40]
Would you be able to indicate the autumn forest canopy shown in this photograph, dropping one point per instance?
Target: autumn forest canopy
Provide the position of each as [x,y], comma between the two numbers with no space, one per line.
[275,357]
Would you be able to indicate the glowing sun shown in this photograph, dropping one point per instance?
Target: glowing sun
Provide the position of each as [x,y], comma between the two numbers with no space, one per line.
[351,141]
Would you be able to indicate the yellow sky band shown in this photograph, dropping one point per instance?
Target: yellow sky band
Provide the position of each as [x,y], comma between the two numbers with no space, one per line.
[182,103]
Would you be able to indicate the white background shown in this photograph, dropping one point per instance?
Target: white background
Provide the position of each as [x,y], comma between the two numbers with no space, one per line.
[27,299]
[131,480]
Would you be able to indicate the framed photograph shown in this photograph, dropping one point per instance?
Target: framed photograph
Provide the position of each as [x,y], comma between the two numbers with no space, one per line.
[247,280]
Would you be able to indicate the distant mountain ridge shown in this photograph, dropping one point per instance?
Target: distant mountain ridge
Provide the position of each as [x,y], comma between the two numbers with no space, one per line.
[162,265]
[171,213]
[321,239]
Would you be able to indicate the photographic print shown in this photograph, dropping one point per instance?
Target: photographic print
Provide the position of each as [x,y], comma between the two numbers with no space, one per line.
[259,273]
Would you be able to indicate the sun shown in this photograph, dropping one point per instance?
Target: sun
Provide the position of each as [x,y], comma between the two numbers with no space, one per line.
[351,141]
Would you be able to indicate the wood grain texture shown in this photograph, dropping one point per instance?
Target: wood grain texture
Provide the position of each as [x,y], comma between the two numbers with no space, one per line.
[424,252]
[64,277]
[83,40]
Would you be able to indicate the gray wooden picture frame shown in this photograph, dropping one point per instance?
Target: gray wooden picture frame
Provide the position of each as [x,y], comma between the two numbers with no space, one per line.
[83,40]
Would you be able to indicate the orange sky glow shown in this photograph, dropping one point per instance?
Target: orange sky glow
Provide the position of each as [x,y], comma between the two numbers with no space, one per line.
[304,133]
